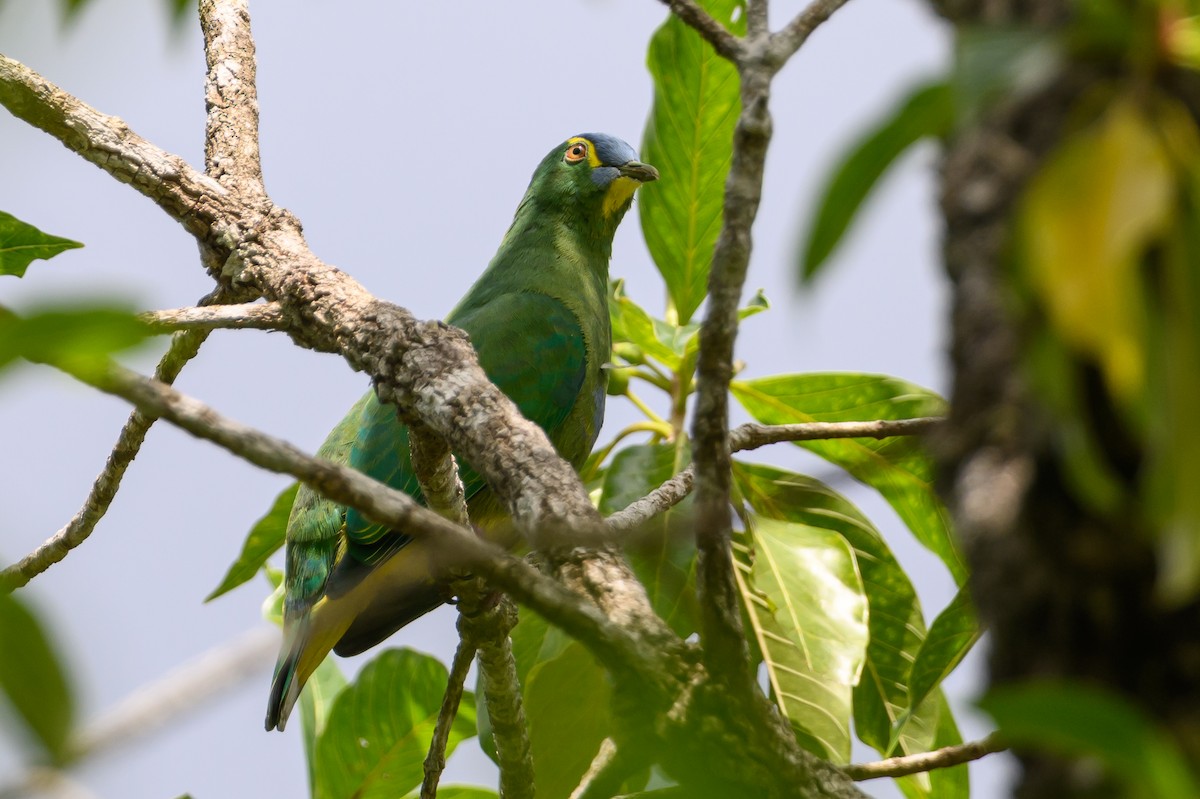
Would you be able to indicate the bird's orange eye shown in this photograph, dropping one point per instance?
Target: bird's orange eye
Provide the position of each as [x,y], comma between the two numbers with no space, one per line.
[576,152]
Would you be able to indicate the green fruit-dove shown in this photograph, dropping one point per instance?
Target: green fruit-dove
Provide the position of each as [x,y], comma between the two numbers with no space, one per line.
[538,319]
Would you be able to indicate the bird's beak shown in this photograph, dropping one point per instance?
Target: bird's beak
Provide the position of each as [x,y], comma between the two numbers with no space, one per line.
[642,173]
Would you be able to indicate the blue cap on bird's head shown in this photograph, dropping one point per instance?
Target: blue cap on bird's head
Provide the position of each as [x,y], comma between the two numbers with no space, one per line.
[609,163]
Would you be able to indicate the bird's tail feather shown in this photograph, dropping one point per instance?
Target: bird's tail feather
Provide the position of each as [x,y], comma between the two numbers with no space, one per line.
[306,642]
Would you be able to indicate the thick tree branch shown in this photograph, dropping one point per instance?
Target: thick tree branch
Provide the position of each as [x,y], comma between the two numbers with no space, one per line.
[715,33]
[926,761]
[183,348]
[251,315]
[191,198]
[752,436]
[435,761]
[231,96]
[787,41]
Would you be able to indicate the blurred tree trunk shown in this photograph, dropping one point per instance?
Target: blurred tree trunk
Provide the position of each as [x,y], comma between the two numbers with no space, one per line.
[1065,591]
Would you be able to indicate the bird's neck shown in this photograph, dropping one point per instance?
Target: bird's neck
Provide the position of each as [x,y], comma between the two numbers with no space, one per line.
[544,227]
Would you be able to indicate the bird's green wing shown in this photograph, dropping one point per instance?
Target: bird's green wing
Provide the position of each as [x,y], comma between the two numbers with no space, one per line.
[531,347]
[315,522]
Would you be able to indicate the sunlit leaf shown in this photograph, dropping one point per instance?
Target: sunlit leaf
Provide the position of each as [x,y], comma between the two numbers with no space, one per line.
[1077,720]
[22,243]
[804,597]
[34,679]
[377,735]
[1082,258]
[689,137]
[265,538]
[897,467]
[78,336]
[949,639]
[316,702]
[662,553]
[631,323]
[929,111]
[944,783]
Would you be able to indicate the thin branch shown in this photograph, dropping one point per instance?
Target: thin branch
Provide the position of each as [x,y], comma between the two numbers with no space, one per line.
[193,199]
[251,315]
[490,630]
[609,641]
[231,132]
[183,348]
[609,769]
[926,761]
[435,761]
[725,43]
[437,473]
[752,436]
[787,41]
[757,23]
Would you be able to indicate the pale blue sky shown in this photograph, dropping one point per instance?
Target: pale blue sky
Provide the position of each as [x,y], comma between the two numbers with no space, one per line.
[402,135]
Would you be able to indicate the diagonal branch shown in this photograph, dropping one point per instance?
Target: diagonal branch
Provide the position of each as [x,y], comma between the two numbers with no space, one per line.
[183,348]
[725,43]
[926,761]
[230,93]
[251,315]
[435,761]
[787,41]
[752,436]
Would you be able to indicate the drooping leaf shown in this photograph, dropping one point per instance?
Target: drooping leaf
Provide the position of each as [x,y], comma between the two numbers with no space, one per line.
[895,623]
[1083,721]
[265,538]
[662,553]
[804,597]
[34,679]
[950,638]
[1081,259]
[81,337]
[897,467]
[928,111]
[316,703]
[377,735]
[689,137]
[22,243]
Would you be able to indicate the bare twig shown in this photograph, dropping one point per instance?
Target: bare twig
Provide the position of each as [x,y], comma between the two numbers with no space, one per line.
[251,315]
[725,43]
[751,436]
[435,761]
[609,769]
[231,133]
[788,40]
[926,761]
[183,348]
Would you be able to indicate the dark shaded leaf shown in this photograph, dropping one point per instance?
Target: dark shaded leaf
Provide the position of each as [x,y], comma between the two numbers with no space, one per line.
[377,735]
[265,538]
[928,111]
[898,467]
[22,243]
[34,679]
[689,137]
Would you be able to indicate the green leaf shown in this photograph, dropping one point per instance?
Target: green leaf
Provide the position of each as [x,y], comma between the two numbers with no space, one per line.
[689,137]
[316,702]
[944,783]
[630,323]
[22,243]
[928,111]
[79,336]
[265,538]
[377,735]
[566,695]
[1082,721]
[950,638]
[460,792]
[34,679]
[804,597]
[897,467]
[896,625]
[662,552]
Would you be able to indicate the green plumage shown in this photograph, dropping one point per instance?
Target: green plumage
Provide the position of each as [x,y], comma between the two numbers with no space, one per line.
[538,319]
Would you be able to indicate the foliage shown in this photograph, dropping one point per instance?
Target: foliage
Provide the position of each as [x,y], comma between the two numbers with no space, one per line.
[22,243]
[34,679]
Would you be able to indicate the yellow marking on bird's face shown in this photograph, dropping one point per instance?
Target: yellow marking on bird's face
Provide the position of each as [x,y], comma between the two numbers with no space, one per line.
[592,158]
[619,192]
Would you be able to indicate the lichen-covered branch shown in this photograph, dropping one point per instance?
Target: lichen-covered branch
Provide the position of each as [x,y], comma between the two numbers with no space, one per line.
[183,348]
[435,761]
[926,761]
[752,436]
[252,315]
[231,96]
